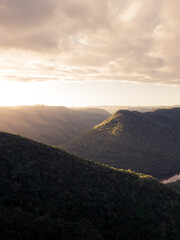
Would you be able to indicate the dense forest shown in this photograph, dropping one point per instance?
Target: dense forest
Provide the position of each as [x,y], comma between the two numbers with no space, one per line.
[143,142]
[46,193]
[49,124]
[175,185]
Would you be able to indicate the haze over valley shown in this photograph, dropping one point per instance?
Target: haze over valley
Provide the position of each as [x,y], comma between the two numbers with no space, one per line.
[50,125]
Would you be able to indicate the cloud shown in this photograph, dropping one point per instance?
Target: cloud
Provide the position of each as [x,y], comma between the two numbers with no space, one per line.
[24,14]
[91,40]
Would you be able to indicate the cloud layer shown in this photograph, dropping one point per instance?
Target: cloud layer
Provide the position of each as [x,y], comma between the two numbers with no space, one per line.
[90,40]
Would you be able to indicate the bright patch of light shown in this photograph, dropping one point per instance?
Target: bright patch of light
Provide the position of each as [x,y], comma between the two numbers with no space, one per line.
[131,12]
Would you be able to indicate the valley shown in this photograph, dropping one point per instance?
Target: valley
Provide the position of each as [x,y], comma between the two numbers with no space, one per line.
[49,124]
[89,120]
[47,193]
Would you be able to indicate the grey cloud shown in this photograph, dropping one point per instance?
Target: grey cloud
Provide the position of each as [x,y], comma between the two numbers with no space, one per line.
[24,13]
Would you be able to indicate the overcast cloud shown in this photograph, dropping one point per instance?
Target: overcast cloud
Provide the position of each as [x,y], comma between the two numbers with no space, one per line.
[90,40]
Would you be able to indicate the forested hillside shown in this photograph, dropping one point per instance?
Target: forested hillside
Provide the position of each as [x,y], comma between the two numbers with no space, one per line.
[46,193]
[47,124]
[143,142]
[175,185]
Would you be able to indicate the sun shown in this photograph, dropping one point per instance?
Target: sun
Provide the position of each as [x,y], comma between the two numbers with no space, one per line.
[17,93]
[52,93]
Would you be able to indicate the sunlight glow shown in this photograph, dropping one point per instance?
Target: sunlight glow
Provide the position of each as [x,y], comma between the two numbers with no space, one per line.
[131,12]
[16,93]
[86,93]
[52,93]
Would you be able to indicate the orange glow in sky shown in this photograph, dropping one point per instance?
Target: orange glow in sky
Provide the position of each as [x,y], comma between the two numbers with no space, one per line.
[86,93]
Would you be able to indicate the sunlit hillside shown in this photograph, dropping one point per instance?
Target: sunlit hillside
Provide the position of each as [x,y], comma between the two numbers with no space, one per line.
[144,142]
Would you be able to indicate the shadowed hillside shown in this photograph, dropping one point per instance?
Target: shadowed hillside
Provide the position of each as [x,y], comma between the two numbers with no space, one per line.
[144,142]
[175,185]
[50,125]
[46,193]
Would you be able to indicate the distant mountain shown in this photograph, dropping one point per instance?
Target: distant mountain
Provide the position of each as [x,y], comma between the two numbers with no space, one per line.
[50,125]
[112,109]
[144,142]
[46,193]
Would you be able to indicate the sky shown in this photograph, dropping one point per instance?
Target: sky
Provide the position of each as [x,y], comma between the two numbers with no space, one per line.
[87,53]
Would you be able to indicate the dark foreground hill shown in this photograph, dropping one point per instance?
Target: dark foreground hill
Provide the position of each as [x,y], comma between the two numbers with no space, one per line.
[46,193]
[48,124]
[144,142]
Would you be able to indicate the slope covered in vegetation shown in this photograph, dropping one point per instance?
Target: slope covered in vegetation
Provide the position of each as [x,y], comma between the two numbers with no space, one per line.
[175,185]
[47,124]
[46,193]
[144,142]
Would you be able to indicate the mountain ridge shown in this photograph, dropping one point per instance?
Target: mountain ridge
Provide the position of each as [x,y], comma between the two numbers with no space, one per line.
[144,142]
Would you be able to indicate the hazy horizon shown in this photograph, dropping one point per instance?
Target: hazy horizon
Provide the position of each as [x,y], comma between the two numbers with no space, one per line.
[89,106]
